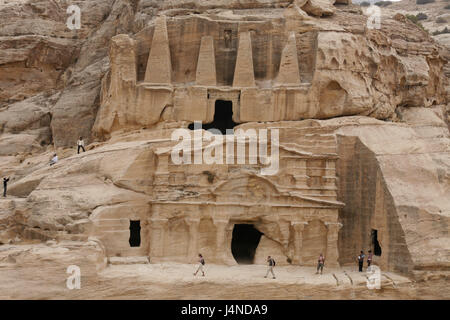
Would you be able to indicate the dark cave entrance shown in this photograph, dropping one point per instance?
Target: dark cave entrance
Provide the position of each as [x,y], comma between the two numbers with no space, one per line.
[375,243]
[223,117]
[135,233]
[244,242]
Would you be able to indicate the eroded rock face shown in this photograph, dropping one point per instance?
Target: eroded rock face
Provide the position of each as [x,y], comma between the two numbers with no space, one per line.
[185,209]
[400,173]
[319,8]
[314,70]
[75,61]
[39,50]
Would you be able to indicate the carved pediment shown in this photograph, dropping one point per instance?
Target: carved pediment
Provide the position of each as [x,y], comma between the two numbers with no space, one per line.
[249,187]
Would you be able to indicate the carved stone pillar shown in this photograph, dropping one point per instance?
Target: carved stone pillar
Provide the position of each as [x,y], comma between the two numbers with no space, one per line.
[332,245]
[221,237]
[299,227]
[157,237]
[229,259]
[193,237]
[284,230]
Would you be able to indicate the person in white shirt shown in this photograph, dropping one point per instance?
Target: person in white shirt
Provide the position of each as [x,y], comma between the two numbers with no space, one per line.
[54,159]
[80,144]
[201,263]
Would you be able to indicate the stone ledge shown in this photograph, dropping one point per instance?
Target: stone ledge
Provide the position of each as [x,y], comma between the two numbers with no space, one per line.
[128,260]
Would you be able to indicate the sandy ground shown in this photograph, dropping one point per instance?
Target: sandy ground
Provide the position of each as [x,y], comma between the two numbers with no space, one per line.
[176,281]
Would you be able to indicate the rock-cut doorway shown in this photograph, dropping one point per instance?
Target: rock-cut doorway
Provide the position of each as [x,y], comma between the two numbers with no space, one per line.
[223,117]
[245,240]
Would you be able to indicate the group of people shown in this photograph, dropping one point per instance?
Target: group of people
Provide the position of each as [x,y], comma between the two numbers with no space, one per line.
[271,263]
[53,160]
[80,145]
[201,264]
[361,257]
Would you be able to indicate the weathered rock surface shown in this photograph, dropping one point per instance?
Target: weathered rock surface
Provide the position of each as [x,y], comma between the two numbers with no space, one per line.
[67,200]
[40,50]
[319,7]
[364,145]
[343,69]
[39,271]
[400,173]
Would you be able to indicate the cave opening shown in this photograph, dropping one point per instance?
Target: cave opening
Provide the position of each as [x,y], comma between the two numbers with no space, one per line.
[135,233]
[223,117]
[375,243]
[245,240]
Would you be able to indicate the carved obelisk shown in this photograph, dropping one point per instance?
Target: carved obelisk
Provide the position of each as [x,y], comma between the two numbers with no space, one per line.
[288,74]
[243,73]
[206,64]
[159,67]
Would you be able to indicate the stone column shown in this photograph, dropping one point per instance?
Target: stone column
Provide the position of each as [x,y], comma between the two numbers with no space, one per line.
[298,226]
[332,245]
[157,237]
[206,65]
[221,227]
[162,170]
[229,259]
[193,237]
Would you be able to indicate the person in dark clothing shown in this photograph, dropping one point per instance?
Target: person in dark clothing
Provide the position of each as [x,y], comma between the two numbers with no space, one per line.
[5,185]
[271,262]
[361,260]
[320,264]
[369,258]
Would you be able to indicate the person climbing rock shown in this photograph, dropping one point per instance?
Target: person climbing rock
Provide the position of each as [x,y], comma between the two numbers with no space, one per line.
[80,144]
[369,258]
[361,260]
[320,264]
[5,185]
[271,263]
[54,159]
[201,263]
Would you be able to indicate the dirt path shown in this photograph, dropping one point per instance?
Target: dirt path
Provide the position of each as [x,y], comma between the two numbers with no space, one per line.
[176,281]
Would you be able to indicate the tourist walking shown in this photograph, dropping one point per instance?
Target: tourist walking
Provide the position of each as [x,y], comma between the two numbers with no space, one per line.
[361,260]
[320,264]
[5,185]
[80,144]
[54,159]
[271,263]
[369,258]
[201,263]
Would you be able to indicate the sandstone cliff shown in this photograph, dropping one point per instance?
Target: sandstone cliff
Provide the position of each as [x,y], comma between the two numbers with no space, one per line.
[362,113]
